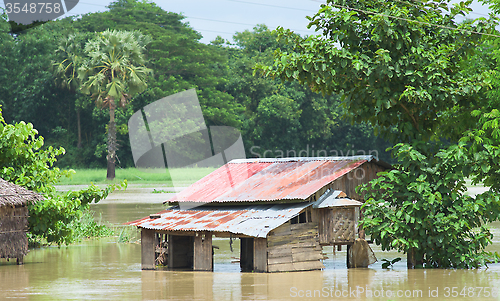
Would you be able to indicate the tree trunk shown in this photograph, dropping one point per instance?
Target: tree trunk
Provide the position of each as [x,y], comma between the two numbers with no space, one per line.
[111,157]
[414,259]
[79,145]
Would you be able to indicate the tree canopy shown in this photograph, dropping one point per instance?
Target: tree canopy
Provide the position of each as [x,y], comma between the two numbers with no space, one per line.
[416,74]
[222,74]
[113,72]
[24,162]
[398,65]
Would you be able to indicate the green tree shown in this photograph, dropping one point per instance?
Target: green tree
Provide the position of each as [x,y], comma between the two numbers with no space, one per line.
[24,162]
[405,68]
[180,62]
[394,63]
[421,208]
[113,73]
[286,119]
[71,55]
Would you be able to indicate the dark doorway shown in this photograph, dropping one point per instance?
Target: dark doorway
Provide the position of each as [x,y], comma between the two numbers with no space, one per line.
[180,252]
[246,254]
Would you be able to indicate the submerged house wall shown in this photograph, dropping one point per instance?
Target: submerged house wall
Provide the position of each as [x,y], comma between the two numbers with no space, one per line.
[294,247]
[14,202]
[361,175]
[13,227]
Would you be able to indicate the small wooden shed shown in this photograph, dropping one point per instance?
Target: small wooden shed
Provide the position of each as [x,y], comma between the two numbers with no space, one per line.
[273,237]
[226,202]
[14,201]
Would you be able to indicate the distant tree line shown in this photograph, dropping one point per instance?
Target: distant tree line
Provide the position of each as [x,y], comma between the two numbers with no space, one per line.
[275,118]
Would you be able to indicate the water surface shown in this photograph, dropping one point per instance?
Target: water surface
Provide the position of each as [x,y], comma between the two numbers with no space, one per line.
[104,269]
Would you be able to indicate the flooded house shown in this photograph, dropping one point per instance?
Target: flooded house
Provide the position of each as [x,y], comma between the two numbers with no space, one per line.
[282,210]
[14,202]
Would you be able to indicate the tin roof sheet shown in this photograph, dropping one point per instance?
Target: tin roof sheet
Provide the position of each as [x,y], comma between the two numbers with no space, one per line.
[255,221]
[335,198]
[339,202]
[269,179]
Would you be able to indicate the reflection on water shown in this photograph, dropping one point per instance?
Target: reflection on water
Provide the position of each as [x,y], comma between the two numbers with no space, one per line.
[104,269]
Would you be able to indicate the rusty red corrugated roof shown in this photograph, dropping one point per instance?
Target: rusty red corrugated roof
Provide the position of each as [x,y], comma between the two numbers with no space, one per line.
[269,179]
[255,221]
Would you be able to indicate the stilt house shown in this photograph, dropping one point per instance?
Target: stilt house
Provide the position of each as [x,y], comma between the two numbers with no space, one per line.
[282,210]
[14,219]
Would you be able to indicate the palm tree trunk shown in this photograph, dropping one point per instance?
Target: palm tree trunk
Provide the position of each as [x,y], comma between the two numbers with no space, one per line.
[111,142]
[79,145]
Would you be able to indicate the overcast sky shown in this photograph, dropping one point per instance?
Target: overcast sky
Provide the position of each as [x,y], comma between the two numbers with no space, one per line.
[225,17]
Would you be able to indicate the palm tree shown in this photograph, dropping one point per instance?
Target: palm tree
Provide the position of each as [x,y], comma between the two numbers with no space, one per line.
[112,74]
[70,51]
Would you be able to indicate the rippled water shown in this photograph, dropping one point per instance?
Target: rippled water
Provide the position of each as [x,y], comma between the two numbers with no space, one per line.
[104,269]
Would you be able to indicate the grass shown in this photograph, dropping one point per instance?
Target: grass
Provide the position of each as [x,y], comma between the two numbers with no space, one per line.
[128,234]
[185,176]
[88,227]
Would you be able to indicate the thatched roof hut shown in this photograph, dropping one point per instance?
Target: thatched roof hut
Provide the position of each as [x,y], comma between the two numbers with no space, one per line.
[14,201]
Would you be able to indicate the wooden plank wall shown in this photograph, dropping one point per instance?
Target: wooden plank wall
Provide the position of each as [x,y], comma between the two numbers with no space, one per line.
[260,254]
[348,182]
[203,252]
[13,227]
[361,175]
[147,249]
[294,248]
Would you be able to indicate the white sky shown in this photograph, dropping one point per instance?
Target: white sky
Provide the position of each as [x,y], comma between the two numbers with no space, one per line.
[225,17]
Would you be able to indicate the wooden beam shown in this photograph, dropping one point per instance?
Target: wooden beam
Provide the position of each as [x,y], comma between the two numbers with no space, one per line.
[193,233]
[202,260]
[147,249]
[260,254]
[296,266]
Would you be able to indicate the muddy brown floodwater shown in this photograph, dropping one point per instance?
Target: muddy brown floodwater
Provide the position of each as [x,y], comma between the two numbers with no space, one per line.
[106,270]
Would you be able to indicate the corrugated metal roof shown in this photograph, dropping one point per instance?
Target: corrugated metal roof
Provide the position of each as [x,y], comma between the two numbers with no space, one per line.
[338,202]
[268,179]
[255,221]
[335,198]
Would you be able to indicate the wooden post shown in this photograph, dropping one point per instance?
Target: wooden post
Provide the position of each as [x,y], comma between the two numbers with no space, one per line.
[260,254]
[358,217]
[348,257]
[147,249]
[203,252]
[20,260]
[411,260]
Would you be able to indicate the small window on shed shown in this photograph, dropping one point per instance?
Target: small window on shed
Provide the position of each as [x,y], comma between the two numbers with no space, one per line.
[299,219]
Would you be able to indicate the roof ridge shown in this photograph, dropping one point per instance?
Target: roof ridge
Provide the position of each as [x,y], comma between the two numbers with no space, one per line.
[296,159]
